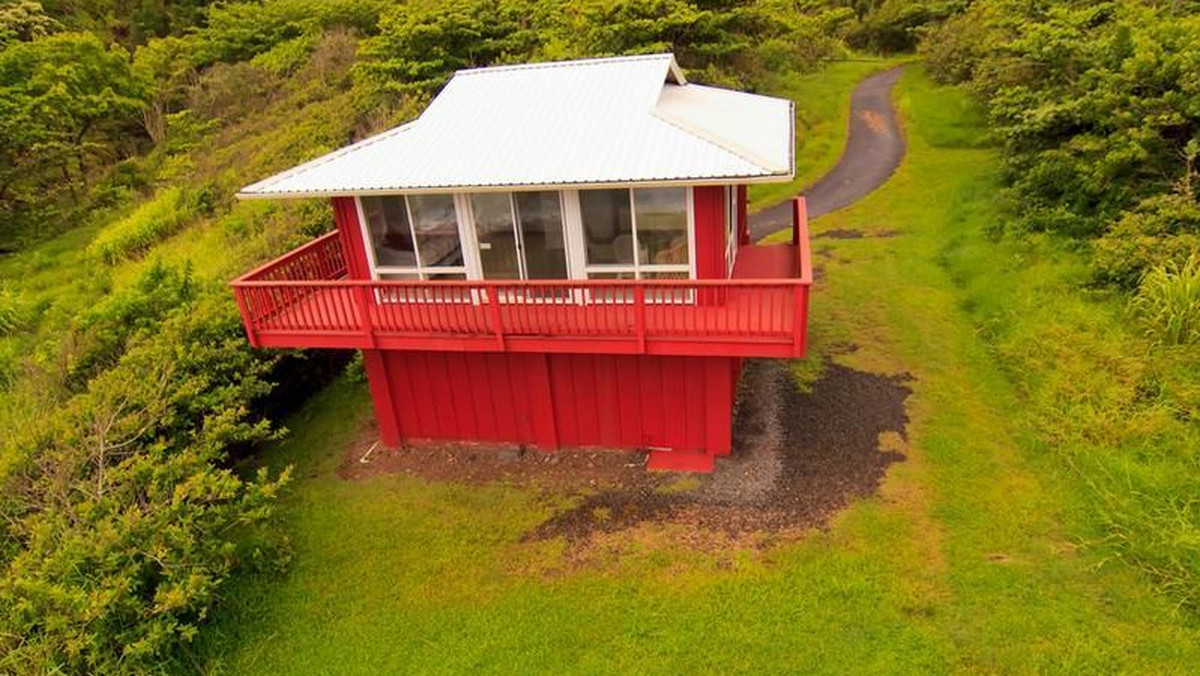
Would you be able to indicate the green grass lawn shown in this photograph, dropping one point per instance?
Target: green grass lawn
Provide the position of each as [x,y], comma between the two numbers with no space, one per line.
[974,559]
[822,101]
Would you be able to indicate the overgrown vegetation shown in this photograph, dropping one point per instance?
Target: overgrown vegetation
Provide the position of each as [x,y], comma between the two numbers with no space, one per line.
[168,212]
[1168,300]
[1095,105]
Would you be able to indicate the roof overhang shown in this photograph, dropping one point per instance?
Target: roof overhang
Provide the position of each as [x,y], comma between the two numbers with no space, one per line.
[595,123]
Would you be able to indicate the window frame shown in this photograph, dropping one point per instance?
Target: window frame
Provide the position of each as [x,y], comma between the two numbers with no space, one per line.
[574,239]
[731,229]
[638,268]
[422,272]
[475,261]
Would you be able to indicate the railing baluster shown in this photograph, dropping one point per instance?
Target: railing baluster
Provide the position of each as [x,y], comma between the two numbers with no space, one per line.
[494,314]
[639,317]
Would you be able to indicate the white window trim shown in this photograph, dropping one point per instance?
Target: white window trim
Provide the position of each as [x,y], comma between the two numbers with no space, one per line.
[421,271]
[731,229]
[574,240]
[469,235]
[638,268]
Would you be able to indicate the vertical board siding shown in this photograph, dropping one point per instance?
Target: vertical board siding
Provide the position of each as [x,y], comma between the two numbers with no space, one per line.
[560,400]
[345,215]
[708,205]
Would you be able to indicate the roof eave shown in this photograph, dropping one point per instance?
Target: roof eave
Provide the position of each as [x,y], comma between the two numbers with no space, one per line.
[682,182]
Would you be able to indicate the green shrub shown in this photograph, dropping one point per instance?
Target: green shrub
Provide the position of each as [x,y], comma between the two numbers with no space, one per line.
[12,311]
[102,332]
[164,215]
[287,56]
[1168,300]
[122,520]
[1095,106]
[895,25]
[1160,230]
[243,30]
[9,361]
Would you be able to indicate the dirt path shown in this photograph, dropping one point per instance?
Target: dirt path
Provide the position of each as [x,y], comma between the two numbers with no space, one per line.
[874,148]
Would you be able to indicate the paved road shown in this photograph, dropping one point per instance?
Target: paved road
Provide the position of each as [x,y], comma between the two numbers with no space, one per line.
[874,149]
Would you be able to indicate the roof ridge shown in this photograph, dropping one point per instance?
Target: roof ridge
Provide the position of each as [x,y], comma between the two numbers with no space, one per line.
[565,63]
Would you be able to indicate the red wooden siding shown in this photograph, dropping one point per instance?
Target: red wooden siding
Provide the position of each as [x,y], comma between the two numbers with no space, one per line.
[743,224]
[562,400]
[708,209]
[345,215]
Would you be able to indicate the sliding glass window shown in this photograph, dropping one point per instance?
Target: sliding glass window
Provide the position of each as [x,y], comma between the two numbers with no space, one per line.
[414,237]
[520,235]
[640,233]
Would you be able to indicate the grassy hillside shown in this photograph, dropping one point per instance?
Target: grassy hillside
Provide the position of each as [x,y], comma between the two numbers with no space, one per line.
[984,552]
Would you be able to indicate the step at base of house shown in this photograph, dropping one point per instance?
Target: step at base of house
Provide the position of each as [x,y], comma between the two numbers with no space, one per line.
[680,461]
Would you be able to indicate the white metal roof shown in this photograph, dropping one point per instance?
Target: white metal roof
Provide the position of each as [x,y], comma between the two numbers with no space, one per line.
[593,122]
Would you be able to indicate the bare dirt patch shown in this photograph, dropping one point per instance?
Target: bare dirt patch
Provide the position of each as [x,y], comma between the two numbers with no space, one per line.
[495,463]
[798,458]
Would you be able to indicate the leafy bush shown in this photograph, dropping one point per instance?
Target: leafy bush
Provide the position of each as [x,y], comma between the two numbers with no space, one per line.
[1158,231]
[241,31]
[895,25]
[66,98]
[1168,300]
[286,56]
[420,45]
[169,211]
[121,526]
[102,332]
[1094,104]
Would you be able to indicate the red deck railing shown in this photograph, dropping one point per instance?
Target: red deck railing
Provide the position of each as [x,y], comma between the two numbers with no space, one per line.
[304,300]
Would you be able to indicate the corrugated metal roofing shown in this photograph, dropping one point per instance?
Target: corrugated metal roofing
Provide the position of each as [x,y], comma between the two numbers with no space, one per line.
[596,121]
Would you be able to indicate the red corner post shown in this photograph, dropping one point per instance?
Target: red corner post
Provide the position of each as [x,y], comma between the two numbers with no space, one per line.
[386,411]
[742,217]
[800,240]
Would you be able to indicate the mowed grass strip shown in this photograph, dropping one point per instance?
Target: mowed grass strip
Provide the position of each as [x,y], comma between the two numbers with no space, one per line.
[970,561]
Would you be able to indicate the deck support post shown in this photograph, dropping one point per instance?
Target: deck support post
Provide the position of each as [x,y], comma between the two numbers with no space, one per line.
[386,412]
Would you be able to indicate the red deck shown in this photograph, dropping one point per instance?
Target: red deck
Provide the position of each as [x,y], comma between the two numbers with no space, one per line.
[304,299]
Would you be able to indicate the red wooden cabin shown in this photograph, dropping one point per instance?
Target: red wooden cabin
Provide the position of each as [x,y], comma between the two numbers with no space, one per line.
[553,255]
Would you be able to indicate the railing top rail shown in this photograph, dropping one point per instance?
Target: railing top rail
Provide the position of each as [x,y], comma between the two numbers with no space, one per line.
[242,282]
[285,259]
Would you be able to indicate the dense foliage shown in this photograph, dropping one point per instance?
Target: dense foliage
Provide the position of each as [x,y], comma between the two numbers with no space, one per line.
[1097,107]
[121,523]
